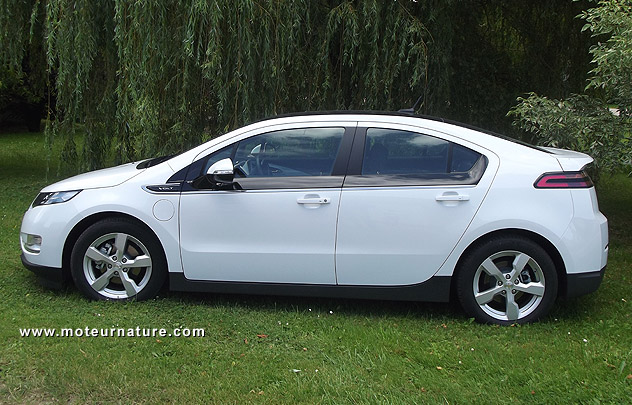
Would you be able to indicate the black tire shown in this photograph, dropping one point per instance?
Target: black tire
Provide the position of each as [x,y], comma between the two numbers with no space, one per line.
[484,272]
[99,271]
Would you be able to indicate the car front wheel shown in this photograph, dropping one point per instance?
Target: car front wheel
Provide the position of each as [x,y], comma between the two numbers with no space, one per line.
[117,259]
[507,280]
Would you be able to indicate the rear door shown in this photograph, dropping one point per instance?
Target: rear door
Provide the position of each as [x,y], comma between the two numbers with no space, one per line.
[409,196]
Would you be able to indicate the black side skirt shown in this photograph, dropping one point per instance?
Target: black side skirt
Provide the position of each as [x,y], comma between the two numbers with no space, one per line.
[436,289]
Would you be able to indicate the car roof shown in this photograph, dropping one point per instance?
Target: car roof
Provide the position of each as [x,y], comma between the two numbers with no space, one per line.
[405,114]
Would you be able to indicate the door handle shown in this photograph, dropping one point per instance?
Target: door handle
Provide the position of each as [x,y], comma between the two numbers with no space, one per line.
[314,200]
[453,197]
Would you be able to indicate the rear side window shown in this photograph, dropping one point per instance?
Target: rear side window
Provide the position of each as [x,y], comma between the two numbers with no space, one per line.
[463,159]
[395,152]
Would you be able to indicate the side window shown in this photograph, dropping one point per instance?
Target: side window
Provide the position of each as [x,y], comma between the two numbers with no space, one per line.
[463,159]
[395,152]
[289,153]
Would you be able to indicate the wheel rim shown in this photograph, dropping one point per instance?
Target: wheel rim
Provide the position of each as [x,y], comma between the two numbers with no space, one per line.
[117,266]
[509,285]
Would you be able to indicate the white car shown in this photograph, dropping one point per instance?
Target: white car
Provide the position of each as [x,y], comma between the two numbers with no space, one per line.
[359,205]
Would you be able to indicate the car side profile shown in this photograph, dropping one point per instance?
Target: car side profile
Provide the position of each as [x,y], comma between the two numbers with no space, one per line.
[359,205]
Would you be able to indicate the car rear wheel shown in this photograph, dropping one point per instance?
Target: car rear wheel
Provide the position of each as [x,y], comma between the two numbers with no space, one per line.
[117,259]
[507,280]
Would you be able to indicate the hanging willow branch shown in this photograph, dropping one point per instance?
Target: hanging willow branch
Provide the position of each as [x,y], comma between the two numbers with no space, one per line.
[143,78]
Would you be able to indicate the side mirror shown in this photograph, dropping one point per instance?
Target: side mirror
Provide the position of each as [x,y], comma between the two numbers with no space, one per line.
[221,172]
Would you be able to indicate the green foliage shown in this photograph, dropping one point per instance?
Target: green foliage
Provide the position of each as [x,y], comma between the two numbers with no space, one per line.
[13,87]
[580,123]
[22,78]
[585,122]
[503,49]
[613,57]
[145,78]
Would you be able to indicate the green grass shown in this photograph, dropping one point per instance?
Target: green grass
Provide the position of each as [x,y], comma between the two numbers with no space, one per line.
[348,351]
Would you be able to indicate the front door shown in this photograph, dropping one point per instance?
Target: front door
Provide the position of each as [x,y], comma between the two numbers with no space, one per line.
[280,227]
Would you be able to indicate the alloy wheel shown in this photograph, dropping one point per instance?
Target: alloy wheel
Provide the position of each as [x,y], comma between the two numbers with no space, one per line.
[509,285]
[117,266]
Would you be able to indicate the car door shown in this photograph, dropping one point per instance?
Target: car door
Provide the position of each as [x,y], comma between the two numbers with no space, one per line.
[279,224]
[407,200]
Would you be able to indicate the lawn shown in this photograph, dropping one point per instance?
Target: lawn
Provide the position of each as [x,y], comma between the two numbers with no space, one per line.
[300,350]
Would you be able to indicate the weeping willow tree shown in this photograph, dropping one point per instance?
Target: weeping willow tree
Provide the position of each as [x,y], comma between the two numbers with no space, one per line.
[144,78]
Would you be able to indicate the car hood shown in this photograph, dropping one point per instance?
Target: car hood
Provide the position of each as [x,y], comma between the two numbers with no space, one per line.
[569,160]
[110,177]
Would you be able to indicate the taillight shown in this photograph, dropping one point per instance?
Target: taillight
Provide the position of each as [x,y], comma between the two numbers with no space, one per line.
[579,179]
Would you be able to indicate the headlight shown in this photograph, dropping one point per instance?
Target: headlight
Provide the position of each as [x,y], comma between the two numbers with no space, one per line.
[54,197]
